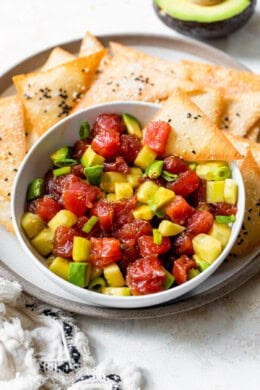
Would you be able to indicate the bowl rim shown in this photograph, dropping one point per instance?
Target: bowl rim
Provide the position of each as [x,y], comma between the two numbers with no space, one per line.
[103,299]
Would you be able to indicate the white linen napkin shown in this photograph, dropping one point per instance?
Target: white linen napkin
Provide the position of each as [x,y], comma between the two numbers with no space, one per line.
[42,348]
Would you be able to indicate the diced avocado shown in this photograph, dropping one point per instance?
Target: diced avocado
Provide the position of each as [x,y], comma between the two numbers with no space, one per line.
[201,264]
[207,170]
[230,191]
[113,275]
[77,274]
[215,191]
[147,191]
[81,249]
[111,197]
[94,174]
[169,280]
[168,228]
[32,224]
[97,284]
[192,273]
[88,273]
[62,218]
[60,267]
[206,247]
[116,291]
[123,191]
[143,212]
[91,158]
[109,179]
[35,189]
[61,153]
[162,197]
[221,232]
[133,176]
[145,157]
[132,125]
[95,272]
[43,242]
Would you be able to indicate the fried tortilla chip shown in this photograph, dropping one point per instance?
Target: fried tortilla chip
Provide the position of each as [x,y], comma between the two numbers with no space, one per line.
[241,112]
[210,101]
[57,57]
[89,45]
[12,142]
[50,96]
[144,78]
[193,137]
[5,214]
[244,144]
[249,235]
[231,80]
[253,133]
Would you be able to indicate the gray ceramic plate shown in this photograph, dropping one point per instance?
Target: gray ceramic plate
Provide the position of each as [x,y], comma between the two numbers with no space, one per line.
[14,263]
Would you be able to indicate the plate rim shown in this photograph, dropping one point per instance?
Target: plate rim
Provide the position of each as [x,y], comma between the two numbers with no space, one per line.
[170,308]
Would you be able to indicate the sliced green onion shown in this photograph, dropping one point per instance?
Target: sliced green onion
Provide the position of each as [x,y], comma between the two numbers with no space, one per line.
[90,224]
[169,176]
[192,166]
[93,174]
[62,162]
[154,169]
[61,171]
[84,130]
[35,189]
[61,153]
[97,284]
[157,237]
[225,218]
[222,173]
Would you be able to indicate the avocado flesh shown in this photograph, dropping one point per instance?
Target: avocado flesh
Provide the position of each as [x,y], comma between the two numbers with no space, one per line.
[206,28]
[186,10]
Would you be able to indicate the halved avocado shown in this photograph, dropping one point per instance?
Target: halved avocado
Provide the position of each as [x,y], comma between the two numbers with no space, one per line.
[193,17]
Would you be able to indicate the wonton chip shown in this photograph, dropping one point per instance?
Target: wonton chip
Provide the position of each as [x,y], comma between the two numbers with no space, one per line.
[89,45]
[249,235]
[241,112]
[210,102]
[144,78]
[50,96]
[231,80]
[5,214]
[57,57]
[12,142]
[193,137]
[244,144]
[253,133]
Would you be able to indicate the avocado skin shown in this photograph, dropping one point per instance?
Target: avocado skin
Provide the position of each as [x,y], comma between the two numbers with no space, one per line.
[212,30]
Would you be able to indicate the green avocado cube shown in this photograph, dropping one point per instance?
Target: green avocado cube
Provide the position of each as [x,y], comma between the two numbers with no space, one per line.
[77,274]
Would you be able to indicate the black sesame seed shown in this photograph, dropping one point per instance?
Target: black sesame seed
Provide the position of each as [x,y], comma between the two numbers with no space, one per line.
[237,114]
[189,115]
[193,151]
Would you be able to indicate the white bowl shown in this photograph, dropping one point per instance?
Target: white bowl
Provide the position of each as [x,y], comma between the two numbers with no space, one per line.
[37,162]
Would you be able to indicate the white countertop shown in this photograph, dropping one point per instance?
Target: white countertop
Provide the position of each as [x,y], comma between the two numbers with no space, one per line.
[216,347]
